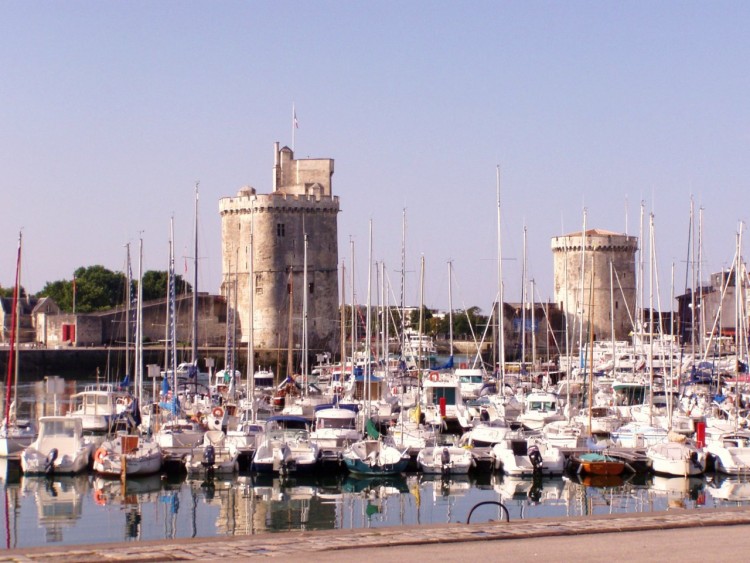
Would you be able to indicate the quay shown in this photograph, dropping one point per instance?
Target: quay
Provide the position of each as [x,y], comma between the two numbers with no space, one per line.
[685,536]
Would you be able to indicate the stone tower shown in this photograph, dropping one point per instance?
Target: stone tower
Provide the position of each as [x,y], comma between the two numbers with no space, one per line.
[301,202]
[600,303]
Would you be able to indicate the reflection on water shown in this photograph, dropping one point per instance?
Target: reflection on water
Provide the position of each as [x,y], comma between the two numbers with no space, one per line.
[85,508]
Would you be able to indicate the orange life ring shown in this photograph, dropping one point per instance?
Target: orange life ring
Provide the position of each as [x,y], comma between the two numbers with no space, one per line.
[434,376]
[99,455]
[218,412]
[99,497]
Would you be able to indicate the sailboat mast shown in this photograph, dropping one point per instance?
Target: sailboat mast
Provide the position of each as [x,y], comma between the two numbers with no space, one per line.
[194,350]
[139,327]
[128,282]
[368,328]
[343,322]
[304,316]
[523,305]
[450,306]
[251,324]
[354,314]
[13,335]
[172,315]
[500,298]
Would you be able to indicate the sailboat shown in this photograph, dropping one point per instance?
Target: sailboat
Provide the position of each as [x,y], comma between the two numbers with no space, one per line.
[14,437]
[126,451]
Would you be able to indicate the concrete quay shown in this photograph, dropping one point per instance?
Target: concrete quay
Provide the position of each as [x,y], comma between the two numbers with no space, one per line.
[685,536]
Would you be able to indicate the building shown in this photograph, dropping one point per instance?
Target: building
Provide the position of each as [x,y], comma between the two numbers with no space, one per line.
[297,219]
[595,296]
[715,306]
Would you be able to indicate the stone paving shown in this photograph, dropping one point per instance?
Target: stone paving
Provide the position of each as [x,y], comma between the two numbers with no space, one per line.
[300,544]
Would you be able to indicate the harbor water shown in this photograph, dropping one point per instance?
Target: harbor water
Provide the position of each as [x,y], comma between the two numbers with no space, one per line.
[40,511]
[84,509]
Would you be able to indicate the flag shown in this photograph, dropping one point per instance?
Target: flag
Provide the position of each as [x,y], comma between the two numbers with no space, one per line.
[296,123]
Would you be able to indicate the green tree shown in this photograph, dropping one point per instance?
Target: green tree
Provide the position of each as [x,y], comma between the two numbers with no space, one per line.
[155,285]
[8,292]
[95,289]
[414,317]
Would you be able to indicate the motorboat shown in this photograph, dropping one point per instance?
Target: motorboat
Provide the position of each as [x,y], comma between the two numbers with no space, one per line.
[374,457]
[60,447]
[445,460]
[676,456]
[286,447]
[98,404]
[730,453]
[540,408]
[215,456]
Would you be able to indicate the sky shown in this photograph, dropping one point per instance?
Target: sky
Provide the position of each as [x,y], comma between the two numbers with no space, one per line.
[110,112]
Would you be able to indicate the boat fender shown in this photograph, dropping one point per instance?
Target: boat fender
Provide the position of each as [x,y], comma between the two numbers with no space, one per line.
[218,412]
[99,455]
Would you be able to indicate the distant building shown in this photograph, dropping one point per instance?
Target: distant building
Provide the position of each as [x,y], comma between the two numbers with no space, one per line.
[711,308]
[300,204]
[31,314]
[595,297]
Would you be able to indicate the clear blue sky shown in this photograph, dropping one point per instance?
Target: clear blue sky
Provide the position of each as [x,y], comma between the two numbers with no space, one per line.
[111,111]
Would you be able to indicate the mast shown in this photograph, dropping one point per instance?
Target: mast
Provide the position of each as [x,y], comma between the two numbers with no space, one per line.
[583,283]
[450,306]
[305,290]
[128,282]
[139,327]
[354,315]
[403,282]
[172,316]
[194,350]
[500,298]
[251,323]
[13,335]
[368,329]
[523,305]
[651,322]
[290,353]
[421,314]
[342,375]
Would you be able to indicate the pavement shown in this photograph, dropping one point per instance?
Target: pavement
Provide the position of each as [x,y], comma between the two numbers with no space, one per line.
[674,535]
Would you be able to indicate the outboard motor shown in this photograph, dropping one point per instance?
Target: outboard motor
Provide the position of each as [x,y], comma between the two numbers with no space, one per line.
[209,457]
[445,460]
[695,460]
[49,464]
[535,457]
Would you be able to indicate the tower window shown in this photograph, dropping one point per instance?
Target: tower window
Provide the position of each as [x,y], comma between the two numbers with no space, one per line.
[280,231]
[312,287]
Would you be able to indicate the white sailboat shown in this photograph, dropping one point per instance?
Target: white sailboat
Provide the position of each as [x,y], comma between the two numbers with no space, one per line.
[14,435]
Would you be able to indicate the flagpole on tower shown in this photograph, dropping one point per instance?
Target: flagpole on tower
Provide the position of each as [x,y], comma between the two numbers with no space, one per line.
[294,125]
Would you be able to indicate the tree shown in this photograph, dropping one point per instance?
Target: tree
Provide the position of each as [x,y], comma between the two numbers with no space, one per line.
[155,285]
[93,289]
[8,292]
[414,317]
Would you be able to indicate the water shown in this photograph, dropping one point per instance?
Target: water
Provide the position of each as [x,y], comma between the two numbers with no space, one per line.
[87,509]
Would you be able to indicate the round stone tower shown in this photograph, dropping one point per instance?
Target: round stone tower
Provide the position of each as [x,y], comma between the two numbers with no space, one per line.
[301,203]
[587,299]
